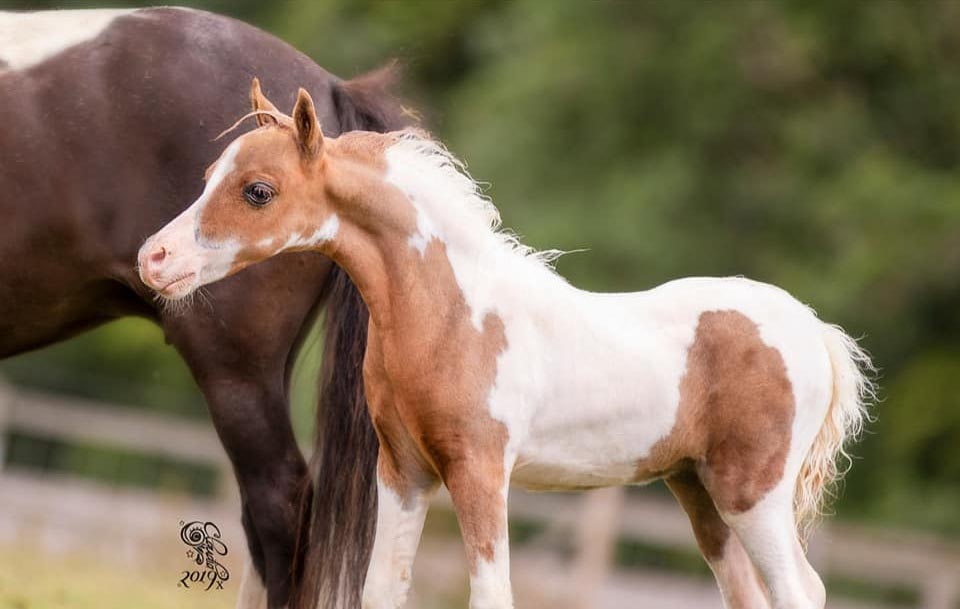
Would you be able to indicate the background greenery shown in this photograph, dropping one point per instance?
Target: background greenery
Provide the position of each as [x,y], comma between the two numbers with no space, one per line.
[814,145]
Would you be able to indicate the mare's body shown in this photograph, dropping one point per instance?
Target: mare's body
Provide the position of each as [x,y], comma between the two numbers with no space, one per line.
[107,121]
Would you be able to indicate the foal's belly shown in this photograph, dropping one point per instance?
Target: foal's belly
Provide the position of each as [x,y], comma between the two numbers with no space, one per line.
[587,397]
[543,475]
[598,425]
[590,452]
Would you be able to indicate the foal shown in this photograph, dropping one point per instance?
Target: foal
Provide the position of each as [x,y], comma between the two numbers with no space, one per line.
[484,367]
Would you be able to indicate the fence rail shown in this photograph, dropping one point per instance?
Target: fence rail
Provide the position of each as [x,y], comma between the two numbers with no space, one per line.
[78,420]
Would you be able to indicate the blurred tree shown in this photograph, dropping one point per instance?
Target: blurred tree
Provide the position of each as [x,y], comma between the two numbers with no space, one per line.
[809,144]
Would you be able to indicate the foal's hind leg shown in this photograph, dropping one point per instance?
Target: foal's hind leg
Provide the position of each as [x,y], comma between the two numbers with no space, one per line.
[739,582]
[745,429]
[765,525]
[768,531]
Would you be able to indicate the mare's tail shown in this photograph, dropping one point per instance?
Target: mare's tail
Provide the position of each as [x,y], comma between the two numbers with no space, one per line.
[341,515]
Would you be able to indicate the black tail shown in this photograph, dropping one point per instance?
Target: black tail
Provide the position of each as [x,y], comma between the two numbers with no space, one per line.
[342,514]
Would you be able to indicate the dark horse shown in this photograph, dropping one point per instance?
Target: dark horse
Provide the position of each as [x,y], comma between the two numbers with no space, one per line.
[107,121]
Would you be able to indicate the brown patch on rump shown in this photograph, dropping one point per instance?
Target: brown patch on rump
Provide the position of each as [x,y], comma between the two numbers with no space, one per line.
[735,416]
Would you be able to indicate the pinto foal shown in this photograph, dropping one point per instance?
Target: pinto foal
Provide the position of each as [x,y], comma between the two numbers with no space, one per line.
[484,367]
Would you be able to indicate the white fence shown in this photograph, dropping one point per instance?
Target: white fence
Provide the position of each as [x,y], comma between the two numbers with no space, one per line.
[66,514]
[77,420]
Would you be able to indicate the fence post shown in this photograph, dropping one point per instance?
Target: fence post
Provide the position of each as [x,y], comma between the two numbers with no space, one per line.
[597,536]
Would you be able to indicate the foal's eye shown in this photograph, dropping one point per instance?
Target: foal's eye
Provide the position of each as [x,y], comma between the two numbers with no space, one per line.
[258,193]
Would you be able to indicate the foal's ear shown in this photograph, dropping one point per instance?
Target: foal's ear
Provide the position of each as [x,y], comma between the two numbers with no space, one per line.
[309,136]
[260,102]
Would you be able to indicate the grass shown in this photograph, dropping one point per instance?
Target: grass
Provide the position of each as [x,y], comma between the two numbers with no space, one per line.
[29,580]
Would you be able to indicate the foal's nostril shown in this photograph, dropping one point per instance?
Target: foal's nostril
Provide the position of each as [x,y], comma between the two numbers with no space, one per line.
[158,255]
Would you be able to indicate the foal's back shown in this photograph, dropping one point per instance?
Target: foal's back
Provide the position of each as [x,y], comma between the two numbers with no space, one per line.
[615,370]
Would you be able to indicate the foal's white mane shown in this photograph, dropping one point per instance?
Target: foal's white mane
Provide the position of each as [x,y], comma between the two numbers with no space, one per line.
[440,186]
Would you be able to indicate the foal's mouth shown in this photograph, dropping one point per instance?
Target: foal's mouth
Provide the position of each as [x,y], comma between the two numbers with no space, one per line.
[169,288]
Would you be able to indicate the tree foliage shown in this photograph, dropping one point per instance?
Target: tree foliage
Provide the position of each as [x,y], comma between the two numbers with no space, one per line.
[809,144]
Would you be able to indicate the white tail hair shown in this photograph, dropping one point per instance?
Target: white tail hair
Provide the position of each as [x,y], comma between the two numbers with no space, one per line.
[828,459]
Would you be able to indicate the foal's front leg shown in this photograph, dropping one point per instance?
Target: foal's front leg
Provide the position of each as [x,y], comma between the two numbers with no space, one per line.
[478,487]
[401,511]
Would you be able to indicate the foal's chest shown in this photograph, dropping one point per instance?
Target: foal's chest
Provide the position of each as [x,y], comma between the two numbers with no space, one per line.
[432,391]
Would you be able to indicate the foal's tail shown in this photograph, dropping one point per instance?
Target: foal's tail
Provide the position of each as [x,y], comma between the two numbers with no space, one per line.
[828,459]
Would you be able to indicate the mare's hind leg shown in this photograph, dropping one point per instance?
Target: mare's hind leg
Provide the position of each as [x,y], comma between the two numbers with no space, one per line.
[240,349]
[250,413]
[400,518]
[738,580]
[768,531]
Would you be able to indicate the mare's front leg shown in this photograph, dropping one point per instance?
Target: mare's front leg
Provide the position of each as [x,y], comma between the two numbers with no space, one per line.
[241,348]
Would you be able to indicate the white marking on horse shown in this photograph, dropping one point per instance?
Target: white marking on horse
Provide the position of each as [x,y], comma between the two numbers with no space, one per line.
[31,38]
[449,208]
[327,231]
[180,235]
[399,526]
[224,167]
[405,177]
[547,446]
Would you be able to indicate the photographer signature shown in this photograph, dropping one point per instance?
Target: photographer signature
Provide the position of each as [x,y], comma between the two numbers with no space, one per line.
[206,546]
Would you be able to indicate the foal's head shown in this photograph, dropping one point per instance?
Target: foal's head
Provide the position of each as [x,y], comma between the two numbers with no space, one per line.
[263,195]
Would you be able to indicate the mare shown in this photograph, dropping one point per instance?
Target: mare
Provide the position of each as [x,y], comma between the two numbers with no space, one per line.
[483,366]
[108,119]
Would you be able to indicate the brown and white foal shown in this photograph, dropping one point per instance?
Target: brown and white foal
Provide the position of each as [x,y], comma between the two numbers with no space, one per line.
[484,367]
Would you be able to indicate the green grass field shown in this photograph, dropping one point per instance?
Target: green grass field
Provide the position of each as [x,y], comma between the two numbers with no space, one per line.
[29,580]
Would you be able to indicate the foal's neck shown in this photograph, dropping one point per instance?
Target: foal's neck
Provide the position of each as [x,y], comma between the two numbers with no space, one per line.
[412,247]
[401,279]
